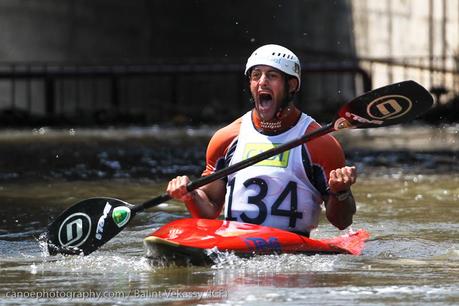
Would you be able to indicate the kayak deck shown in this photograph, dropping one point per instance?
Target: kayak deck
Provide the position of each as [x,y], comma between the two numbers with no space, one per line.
[188,241]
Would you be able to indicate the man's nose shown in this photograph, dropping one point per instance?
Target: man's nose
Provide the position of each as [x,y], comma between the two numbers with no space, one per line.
[263,78]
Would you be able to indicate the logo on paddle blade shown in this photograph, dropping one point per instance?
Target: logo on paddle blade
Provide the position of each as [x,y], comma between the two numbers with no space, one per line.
[75,229]
[356,120]
[389,107]
[121,215]
[342,123]
[101,223]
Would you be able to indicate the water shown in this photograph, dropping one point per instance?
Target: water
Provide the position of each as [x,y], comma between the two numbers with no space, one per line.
[411,212]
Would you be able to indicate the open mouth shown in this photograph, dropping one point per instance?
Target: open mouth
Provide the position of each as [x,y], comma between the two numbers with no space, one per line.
[265,99]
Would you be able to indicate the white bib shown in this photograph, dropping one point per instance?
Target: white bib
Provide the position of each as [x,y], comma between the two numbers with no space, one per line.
[275,192]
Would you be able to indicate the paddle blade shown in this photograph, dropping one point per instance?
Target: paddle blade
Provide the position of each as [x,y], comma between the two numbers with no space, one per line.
[388,105]
[87,225]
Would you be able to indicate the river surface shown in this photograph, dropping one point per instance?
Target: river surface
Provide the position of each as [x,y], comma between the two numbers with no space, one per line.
[407,197]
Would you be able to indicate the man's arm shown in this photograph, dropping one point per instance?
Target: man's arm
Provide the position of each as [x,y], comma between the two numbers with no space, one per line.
[207,201]
[204,202]
[333,179]
[340,204]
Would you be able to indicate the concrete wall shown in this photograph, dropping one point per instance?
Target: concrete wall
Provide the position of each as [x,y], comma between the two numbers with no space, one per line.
[141,31]
[416,35]
[54,30]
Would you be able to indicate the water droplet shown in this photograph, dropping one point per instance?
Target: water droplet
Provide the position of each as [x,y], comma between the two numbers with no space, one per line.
[33,269]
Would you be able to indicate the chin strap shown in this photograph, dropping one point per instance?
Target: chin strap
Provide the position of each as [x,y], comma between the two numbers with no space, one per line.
[279,113]
[285,103]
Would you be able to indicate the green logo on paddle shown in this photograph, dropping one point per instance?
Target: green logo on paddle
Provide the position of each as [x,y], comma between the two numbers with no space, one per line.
[121,215]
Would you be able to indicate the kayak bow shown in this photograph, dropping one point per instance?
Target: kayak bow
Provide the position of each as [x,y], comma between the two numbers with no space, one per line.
[188,241]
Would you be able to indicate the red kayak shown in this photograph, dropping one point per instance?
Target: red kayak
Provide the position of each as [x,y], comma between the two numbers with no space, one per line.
[188,241]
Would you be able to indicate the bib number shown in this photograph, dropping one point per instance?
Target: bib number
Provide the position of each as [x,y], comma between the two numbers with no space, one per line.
[257,200]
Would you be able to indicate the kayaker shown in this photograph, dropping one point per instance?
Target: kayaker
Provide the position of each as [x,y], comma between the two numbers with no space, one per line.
[285,191]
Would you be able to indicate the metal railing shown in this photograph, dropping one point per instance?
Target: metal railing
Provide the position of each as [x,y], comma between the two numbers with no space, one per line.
[60,93]
[433,73]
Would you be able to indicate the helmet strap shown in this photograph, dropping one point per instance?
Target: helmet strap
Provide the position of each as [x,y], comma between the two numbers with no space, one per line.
[289,95]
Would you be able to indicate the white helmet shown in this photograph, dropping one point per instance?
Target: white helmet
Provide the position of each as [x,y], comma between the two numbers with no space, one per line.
[277,57]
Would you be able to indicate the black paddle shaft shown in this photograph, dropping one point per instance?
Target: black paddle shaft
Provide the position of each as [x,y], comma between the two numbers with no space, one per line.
[240,165]
[388,105]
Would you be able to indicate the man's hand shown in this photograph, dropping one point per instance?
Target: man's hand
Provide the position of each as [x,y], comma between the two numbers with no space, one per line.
[341,179]
[177,188]
[341,205]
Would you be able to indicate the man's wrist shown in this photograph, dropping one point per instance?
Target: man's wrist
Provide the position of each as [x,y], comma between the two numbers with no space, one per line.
[341,195]
[189,197]
[190,202]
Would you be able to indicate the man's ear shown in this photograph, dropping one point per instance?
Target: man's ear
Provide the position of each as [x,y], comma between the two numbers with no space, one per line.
[292,85]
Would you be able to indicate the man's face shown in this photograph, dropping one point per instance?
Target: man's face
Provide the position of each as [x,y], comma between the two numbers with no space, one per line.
[267,86]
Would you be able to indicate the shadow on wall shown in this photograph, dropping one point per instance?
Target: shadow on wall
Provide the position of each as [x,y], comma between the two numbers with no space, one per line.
[443,113]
